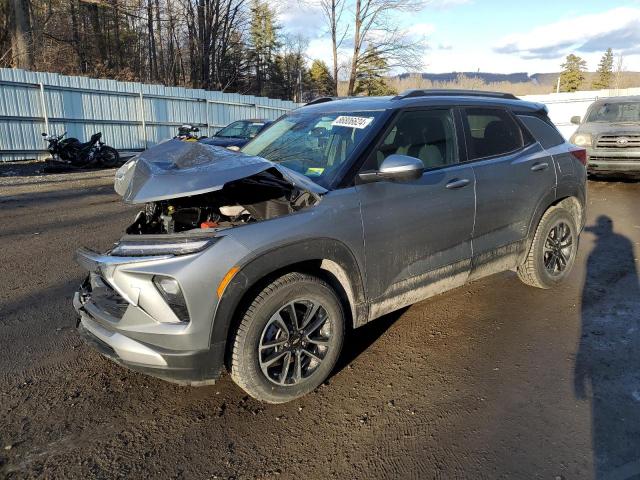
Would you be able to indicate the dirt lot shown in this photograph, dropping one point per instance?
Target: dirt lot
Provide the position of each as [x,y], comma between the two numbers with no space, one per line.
[492,380]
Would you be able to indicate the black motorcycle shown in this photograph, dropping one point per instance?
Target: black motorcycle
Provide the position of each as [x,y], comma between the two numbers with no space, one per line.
[88,154]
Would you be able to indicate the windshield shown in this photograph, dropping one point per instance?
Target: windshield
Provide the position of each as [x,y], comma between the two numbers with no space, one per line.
[615,112]
[241,129]
[314,144]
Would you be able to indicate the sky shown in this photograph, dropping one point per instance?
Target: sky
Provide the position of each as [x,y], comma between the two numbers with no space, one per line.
[498,36]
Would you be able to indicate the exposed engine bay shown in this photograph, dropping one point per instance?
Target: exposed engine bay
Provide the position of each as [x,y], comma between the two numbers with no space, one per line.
[259,197]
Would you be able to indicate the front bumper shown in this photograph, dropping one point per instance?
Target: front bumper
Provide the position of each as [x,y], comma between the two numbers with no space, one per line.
[183,367]
[124,316]
[615,161]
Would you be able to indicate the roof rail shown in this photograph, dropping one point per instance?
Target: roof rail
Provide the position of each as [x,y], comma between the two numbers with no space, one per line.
[452,93]
[321,100]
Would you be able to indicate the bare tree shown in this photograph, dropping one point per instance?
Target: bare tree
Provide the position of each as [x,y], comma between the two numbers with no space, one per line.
[290,67]
[375,32]
[21,34]
[198,43]
[333,10]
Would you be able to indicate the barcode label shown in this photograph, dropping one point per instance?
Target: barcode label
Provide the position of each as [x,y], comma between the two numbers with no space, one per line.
[354,122]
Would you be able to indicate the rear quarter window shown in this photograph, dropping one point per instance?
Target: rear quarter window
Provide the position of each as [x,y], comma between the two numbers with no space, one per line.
[544,132]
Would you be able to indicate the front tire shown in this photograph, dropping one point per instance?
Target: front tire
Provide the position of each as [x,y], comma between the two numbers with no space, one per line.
[289,339]
[553,250]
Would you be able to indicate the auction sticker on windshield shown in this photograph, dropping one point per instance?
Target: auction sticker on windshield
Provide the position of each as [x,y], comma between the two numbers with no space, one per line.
[354,122]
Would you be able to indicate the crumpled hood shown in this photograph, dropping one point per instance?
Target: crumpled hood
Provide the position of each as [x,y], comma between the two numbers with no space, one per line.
[176,169]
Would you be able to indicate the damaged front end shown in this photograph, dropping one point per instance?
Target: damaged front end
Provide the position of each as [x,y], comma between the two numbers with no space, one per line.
[147,303]
[187,186]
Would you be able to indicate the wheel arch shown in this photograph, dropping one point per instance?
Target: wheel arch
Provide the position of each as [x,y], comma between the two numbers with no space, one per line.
[572,201]
[574,206]
[329,259]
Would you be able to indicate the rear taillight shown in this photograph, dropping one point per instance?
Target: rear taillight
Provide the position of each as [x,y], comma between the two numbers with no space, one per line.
[580,154]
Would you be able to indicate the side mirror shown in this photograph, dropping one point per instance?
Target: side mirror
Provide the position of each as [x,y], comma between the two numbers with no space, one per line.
[576,120]
[395,168]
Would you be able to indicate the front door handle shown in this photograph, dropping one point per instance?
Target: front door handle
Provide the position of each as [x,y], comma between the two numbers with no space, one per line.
[457,183]
[539,166]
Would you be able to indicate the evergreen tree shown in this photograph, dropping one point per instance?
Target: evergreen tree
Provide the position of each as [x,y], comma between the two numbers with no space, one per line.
[288,76]
[320,79]
[369,79]
[263,33]
[605,71]
[572,74]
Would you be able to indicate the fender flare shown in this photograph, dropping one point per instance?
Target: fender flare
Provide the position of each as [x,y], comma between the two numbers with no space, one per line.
[332,255]
[551,198]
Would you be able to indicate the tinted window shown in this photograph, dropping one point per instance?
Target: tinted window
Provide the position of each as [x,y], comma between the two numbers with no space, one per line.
[236,129]
[492,132]
[427,135]
[241,129]
[544,132]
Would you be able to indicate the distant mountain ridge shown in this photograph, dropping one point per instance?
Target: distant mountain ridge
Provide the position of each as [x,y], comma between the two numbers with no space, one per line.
[487,77]
[520,77]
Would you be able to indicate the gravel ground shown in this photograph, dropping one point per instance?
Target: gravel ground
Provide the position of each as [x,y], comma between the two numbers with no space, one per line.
[492,380]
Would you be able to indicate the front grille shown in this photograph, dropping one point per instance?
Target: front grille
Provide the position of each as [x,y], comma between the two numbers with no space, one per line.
[106,298]
[618,141]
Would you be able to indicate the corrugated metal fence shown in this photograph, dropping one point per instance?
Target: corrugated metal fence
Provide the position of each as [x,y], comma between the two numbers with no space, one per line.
[134,116]
[131,116]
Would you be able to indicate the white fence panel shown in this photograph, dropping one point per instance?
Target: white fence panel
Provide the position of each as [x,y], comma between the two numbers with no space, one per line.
[131,116]
[563,106]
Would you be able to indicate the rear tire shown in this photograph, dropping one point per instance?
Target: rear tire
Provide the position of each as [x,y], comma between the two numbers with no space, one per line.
[109,157]
[289,339]
[553,250]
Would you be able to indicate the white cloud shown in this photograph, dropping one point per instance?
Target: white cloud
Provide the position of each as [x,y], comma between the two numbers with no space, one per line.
[618,28]
[420,29]
[320,48]
[301,17]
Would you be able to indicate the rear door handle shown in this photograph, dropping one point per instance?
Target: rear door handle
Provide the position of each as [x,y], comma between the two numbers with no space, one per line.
[539,166]
[457,183]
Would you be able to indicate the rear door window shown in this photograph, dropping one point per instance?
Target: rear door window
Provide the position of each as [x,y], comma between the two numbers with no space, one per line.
[491,132]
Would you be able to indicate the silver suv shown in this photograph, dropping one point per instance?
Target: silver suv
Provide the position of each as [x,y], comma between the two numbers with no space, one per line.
[340,212]
[610,132]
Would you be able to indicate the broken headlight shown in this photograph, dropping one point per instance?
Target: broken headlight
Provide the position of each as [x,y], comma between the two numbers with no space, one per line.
[164,246]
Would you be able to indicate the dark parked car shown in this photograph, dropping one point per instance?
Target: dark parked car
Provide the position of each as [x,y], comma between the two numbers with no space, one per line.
[610,131]
[339,213]
[237,134]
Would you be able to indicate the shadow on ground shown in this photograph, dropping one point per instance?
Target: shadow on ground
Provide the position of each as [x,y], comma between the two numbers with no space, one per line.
[359,340]
[607,370]
[613,177]
[39,168]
